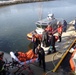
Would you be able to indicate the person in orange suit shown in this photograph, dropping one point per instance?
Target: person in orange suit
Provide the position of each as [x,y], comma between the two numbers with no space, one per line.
[49,29]
[59,30]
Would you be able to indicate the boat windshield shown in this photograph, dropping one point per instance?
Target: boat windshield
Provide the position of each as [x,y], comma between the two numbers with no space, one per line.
[43,23]
[41,26]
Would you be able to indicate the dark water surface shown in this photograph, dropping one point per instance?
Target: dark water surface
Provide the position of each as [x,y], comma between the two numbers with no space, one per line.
[18,20]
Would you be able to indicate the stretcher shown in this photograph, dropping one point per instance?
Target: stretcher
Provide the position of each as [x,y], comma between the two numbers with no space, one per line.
[23,68]
[25,62]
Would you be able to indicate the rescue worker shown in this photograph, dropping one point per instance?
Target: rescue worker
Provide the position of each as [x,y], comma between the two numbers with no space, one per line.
[64,25]
[35,42]
[75,25]
[52,42]
[49,29]
[2,71]
[41,56]
[45,38]
[59,30]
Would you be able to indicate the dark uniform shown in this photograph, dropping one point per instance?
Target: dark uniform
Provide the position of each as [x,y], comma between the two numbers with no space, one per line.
[45,38]
[65,26]
[35,42]
[41,56]
[52,42]
[75,25]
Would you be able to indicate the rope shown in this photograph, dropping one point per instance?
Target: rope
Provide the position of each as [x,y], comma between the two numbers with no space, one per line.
[56,54]
[48,72]
[60,51]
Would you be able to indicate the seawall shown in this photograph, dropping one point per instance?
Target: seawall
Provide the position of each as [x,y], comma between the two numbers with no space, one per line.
[4,3]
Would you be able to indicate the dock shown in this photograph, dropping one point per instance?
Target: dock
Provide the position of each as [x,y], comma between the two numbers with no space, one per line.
[13,2]
[53,58]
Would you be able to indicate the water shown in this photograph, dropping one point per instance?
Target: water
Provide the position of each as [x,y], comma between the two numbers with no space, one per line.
[18,20]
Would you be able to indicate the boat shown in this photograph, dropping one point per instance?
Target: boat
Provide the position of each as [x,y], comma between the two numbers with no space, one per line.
[41,25]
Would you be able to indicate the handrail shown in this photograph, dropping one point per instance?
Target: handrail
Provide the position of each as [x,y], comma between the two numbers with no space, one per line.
[54,70]
[68,39]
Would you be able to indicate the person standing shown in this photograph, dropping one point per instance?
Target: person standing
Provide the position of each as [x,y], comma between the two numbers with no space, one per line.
[41,56]
[45,38]
[64,25]
[59,30]
[52,44]
[75,25]
[35,42]
[49,29]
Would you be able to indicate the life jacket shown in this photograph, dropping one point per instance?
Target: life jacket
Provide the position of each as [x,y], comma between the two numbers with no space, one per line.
[22,56]
[49,29]
[39,36]
[59,29]
[72,61]
[56,38]
[30,54]
[26,56]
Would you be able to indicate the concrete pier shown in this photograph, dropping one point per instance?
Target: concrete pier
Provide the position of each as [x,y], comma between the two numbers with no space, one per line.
[11,2]
[53,59]
[4,3]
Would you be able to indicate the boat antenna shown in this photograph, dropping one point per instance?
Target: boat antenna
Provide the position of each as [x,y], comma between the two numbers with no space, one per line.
[40,11]
[49,12]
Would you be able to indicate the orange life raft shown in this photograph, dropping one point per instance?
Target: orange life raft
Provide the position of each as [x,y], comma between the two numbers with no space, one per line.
[72,61]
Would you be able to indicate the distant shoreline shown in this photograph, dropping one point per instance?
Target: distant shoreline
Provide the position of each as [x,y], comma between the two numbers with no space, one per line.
[5,3]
